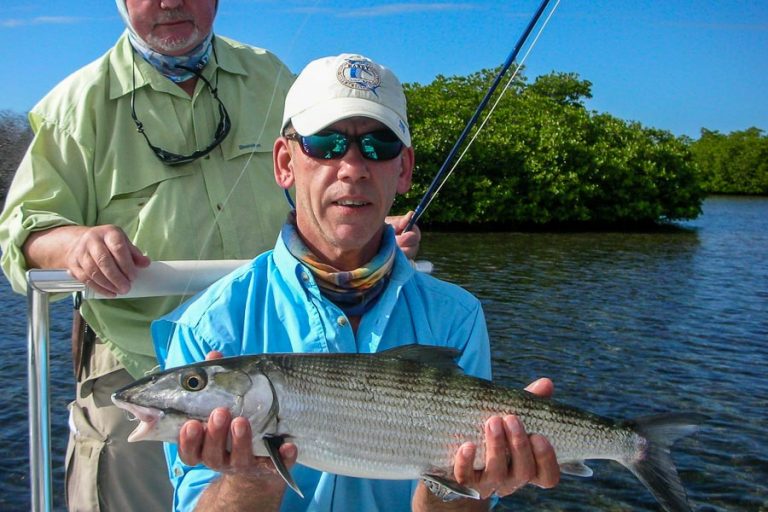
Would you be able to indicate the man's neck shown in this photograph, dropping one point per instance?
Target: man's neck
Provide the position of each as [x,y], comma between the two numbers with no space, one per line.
[354,322]
[188,86]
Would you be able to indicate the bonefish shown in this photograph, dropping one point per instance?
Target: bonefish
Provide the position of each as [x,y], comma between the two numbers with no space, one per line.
[398,414]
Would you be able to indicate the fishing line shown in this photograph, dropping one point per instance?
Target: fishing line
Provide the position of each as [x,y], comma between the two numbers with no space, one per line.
[493,107]
[291,47]
[438,179]
[206,238]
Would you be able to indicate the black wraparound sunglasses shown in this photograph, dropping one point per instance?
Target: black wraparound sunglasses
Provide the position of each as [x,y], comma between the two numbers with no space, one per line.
[222,130]
[379,145]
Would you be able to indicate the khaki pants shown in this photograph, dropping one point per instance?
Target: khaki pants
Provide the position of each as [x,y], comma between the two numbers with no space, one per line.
[105,473]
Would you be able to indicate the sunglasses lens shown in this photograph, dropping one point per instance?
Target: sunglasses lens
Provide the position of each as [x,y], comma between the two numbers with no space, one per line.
[325,145]
[380,145]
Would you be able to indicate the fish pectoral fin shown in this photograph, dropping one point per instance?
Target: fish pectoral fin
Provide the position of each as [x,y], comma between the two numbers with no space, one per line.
[272,444]
[446,489]
[576,468]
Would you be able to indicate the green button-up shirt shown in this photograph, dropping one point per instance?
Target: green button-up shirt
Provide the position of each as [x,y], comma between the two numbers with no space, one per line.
[88,165]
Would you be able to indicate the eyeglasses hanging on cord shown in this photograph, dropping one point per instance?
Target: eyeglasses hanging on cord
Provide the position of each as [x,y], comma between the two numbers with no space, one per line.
[222,130]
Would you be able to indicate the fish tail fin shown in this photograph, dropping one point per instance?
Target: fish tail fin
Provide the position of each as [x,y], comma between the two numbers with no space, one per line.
[654,466]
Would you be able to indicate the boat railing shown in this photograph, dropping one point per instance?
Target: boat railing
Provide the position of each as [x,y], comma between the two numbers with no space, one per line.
[159,279]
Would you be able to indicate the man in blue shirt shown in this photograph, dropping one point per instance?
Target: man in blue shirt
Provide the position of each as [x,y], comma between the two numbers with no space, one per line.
[336,282]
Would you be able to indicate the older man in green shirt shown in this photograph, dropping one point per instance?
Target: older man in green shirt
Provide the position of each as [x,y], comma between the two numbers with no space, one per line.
[160,149]
[88,166]
[92,196]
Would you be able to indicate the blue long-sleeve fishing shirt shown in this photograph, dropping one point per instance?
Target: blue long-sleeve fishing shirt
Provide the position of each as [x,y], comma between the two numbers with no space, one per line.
[274,305]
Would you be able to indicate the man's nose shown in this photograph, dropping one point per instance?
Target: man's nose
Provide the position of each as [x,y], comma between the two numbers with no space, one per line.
[353,165]
[170,4]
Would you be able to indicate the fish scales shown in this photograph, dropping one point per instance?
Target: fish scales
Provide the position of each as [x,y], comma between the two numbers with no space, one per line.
[352,415]
[348,411]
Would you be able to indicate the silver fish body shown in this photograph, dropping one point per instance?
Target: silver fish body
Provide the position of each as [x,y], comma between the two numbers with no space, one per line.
[400,414]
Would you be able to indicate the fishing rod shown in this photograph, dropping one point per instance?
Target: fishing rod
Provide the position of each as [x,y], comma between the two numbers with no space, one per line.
[436,182]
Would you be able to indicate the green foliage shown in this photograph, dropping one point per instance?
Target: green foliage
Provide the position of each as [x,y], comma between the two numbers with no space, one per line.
[542,158]
[563,88]
[736,163]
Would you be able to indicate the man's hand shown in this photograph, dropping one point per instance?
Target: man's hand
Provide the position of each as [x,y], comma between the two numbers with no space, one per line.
[207,444]
[247,482]
[199,443]
[409,241]
[513,459]
[101,257]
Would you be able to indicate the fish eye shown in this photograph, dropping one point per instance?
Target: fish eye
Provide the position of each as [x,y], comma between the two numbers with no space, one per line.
[194,379]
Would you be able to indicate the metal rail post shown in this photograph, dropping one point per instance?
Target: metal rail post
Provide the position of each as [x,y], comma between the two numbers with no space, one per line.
[161,278]
[40,283]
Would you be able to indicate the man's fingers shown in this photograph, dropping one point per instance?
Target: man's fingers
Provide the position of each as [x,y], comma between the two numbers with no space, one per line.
[398,222]
[547,468]
[214,453]
[213,354]
[289,454]
[496,466]
[118,265]
[85,268]
[542,387]
[104,258]
[463,464]
[512,459]
[523,464]
[242,448]
[106,288]
[409,243]
[139,258]
[191,442]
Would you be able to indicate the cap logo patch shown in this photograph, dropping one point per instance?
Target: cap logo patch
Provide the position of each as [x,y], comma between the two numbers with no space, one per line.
[359,74]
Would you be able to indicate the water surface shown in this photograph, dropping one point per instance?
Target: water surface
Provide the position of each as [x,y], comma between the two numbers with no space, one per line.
[626,324]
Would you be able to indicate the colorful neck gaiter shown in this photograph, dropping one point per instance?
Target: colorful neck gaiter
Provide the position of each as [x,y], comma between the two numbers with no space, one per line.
[354,291]
[167,64]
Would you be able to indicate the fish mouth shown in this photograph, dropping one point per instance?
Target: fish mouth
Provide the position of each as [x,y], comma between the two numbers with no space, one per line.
[148,417]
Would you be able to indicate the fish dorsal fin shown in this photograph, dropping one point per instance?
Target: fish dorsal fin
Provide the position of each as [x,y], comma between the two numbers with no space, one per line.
[430,355]
[576,468]
[446,489]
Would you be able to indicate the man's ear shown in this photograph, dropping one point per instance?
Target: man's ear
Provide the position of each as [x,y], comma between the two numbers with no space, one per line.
[282,161]
[406,172]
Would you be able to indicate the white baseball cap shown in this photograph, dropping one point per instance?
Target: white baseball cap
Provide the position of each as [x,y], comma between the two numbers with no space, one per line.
[348,85]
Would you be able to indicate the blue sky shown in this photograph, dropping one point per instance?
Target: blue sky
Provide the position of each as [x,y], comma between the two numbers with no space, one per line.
[679,65]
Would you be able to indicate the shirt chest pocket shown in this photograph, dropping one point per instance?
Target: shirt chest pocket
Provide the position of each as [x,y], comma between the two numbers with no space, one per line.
[128,199]
[123,212]
[245,141]
[255,125]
